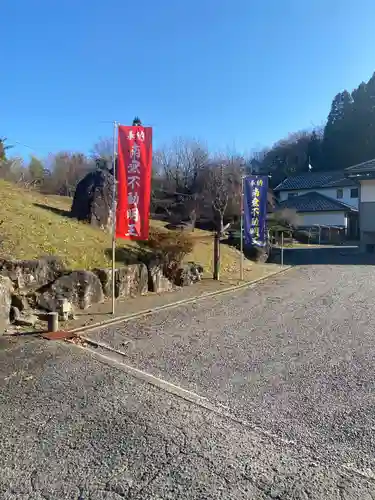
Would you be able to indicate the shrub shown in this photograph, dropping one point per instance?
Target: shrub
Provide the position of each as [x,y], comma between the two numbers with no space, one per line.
[169,248]
[257,254]
[304,236]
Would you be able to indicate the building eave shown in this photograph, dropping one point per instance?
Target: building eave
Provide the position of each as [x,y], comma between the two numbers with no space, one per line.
[362,176]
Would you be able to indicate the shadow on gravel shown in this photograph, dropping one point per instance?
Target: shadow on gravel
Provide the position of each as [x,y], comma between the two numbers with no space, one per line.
[346,256]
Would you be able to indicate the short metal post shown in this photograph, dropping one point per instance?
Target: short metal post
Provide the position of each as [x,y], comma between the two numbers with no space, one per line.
[282,248]
[53,322]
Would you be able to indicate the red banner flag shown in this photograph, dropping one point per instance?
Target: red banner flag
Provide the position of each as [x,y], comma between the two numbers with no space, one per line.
[134,164]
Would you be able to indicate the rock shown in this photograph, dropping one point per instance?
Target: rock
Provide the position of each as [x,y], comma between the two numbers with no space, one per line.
[257,254]
[93,197]
[105,277]
[130,281]
[80,288]
[14,314]
[27,320]
[20,302]
[65,309]
[188,274]
[181,226]
[158,283]
[32,274]
[6,290]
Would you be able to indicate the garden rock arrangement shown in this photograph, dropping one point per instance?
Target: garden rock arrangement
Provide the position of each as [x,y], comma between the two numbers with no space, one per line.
[31,288]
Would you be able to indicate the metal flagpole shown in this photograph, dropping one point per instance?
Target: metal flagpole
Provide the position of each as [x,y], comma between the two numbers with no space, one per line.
[114,207]
[241,230]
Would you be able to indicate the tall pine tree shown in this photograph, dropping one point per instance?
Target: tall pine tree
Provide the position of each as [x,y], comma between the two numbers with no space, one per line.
[337,133]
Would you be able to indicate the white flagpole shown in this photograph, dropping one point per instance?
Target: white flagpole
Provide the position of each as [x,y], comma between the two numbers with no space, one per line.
[114,207]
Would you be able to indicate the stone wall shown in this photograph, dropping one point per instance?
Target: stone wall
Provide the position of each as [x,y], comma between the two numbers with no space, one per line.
[30,288]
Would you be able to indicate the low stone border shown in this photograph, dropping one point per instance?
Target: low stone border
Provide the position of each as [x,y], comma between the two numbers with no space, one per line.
[147,312]
[30,289]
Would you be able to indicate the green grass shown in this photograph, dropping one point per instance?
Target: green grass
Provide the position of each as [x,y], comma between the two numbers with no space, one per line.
[33,225]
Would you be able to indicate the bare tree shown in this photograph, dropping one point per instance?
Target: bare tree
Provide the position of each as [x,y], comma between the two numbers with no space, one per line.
[66,169]
[182,167]
[217,189]
[103,149]
[220,184]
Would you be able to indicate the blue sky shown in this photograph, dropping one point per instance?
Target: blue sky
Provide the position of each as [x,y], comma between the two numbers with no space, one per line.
[235,73]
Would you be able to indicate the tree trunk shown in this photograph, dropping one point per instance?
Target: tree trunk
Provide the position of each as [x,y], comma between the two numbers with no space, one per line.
[219,222]
[216,273]
[193,219]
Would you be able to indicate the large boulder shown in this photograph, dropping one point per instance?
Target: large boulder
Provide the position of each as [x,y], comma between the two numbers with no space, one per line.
[130,281]
[93,199]
[32,274]
[188,274]
[258,254]
[80,288]
[6,290]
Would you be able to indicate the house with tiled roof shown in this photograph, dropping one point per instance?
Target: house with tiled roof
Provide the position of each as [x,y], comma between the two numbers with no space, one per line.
[364,175]
[322,199]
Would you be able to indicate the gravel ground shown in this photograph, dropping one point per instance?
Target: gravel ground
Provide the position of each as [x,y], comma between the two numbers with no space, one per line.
[294,355]
[74,428]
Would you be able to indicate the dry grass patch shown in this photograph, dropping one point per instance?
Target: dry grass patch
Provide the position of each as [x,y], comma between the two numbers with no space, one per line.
[34,225]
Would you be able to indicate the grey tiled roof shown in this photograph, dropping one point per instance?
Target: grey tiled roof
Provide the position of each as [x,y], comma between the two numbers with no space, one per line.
[366,166]
[315,202]
[314,180]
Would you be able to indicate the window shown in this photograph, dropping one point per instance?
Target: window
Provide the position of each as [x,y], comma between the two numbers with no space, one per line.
[339,194]
[354,193]
[292,195]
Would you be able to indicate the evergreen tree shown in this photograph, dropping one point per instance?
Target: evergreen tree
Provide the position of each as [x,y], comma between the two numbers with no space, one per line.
[36,169]
[137,122]
[337,133]
[371,118]
[363,133]
[314,152]
[3,148]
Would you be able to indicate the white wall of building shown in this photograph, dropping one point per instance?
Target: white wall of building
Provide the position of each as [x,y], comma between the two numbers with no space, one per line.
[368,190]
[322,218]
[330,192]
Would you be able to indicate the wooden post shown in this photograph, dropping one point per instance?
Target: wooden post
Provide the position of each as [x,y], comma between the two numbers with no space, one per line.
[216,274]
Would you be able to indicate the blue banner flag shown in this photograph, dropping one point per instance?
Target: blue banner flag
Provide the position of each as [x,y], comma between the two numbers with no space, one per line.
[255,209]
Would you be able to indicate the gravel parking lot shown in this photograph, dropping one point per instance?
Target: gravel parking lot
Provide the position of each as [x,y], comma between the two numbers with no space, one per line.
[292,358]
[295,355]
[74,428]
